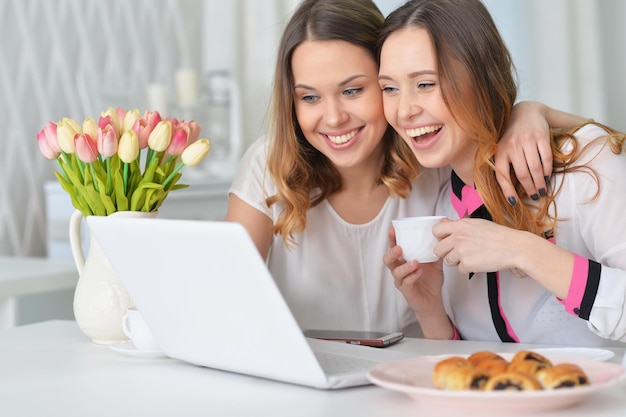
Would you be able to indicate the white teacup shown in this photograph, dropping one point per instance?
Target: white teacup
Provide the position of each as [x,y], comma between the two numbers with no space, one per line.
[136,329]
[415,236]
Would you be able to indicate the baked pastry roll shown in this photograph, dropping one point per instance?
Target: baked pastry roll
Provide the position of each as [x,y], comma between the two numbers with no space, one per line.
[563,375]
[466,378]
[446,366]
[528,355]
[493,366]
[529,366]
[512,381]
[478,357]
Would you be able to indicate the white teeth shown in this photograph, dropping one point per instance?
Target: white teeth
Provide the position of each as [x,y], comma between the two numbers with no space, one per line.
[338,140]
[417,132]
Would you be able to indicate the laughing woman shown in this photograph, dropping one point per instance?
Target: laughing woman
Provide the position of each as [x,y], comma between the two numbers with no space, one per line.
[550,270]
[319,191]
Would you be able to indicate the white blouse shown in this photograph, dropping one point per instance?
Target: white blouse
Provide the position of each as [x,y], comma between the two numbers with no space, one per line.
[335,277]
[595,230]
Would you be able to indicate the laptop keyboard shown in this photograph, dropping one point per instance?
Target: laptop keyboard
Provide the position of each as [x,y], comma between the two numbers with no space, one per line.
[338,364]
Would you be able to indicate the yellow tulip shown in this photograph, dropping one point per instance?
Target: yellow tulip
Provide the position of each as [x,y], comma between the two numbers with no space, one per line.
[129,119]
[66,130]
[195,153]
[90,127]
[128,148]
[161,136]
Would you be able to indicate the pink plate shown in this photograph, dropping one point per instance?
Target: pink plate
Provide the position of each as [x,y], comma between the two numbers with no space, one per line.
[414,378]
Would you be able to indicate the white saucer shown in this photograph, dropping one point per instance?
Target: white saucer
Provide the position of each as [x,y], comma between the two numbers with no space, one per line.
[578,352]
[127,348]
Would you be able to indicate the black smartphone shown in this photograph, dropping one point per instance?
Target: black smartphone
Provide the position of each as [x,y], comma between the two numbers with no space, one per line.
[375,339]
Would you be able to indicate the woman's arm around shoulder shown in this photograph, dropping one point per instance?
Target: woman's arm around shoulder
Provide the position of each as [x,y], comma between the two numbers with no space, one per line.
[525,148]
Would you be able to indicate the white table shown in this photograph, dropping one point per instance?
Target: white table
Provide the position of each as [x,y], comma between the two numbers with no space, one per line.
[51,369]
[31,275]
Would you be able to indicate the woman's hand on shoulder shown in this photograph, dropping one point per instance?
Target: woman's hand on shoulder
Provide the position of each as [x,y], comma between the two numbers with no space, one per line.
[524,152]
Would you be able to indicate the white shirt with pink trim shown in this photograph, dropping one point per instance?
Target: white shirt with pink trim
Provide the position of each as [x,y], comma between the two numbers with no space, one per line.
[594,312]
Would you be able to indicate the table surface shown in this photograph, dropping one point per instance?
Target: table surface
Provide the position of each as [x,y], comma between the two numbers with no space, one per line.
[28,275]
[52,369]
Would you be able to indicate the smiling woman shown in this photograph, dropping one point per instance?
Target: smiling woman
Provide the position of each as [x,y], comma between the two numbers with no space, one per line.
[339,109]
[318,193]
[444,65]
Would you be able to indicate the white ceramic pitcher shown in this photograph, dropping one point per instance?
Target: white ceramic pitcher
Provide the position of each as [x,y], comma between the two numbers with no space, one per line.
[100,300]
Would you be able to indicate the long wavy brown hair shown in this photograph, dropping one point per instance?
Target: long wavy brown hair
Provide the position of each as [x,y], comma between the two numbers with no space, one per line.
[478,82]
[303,175]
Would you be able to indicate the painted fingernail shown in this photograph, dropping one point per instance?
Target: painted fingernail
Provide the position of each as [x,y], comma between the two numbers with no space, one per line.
[512,201]
[542,192]
[546,178]
[535,197]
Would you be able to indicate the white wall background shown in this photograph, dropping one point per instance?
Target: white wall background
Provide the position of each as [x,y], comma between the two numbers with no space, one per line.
[75,58]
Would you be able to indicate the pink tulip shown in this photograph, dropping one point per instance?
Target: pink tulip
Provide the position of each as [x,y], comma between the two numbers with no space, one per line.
[152,118]
[194,131]
[143,131]
[121,114]
[86,148]
[107,141]
[174,121]
[107,120]
[179,141]
[114,118]
[47,140]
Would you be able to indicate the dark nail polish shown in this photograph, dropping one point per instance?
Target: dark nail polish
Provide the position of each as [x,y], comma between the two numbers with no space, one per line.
[512,201]
[542,192]
[471,274]
[535,197]
[546,178]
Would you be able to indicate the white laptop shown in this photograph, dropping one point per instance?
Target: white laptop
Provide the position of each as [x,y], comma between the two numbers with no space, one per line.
[209,299]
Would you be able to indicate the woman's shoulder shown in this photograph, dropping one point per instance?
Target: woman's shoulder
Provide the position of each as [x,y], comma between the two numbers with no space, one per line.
[594,146]
[590,132]
[595,165]
[252,182]
[254,159]
[257,150]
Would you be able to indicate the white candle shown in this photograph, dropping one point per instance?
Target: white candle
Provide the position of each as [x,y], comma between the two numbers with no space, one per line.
[157,98]
[186,86]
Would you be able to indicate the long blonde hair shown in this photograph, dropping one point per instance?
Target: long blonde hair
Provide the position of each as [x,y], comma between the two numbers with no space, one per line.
[478,83]
[304,176]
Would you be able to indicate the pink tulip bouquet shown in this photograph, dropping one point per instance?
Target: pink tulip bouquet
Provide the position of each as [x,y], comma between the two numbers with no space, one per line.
[101,162]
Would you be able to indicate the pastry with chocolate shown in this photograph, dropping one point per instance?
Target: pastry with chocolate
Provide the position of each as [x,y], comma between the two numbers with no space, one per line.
[563,375]
[529,355]
[466,378]
[512,381]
